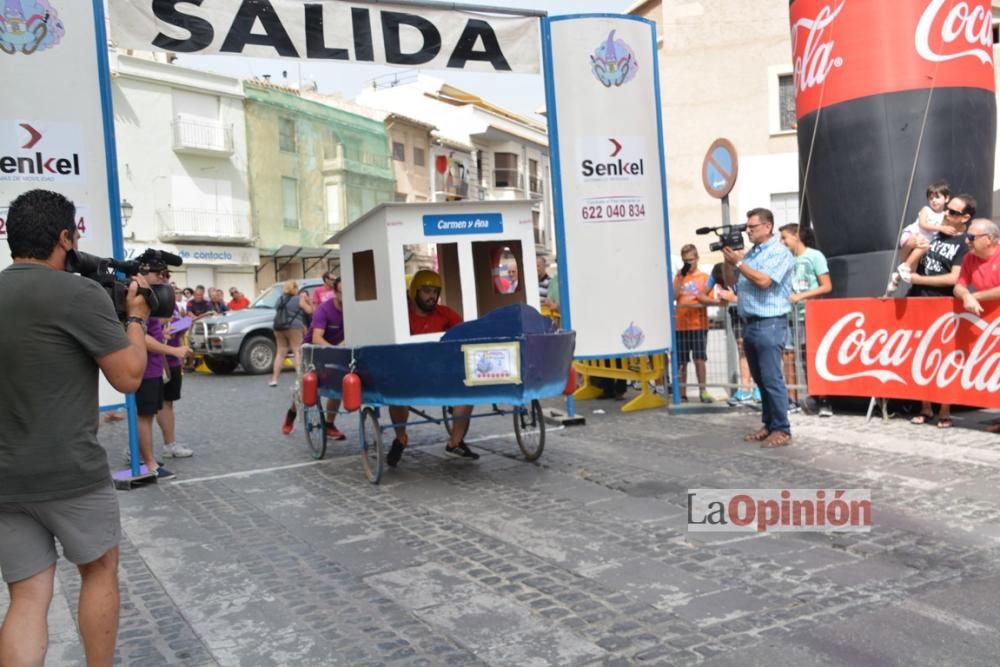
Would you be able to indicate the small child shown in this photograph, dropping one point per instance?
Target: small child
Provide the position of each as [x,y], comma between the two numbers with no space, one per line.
[928,220]
[926,225]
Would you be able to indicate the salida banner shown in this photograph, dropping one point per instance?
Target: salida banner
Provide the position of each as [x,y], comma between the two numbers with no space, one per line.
[923,349]
[382,34]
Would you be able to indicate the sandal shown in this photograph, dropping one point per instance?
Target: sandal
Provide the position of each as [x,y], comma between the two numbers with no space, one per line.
[922,419]
[777,439]
[945,422]
[757,436]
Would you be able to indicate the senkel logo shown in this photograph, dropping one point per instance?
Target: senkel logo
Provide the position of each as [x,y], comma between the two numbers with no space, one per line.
[611,158]
[50,154]
[27,26]
[613,62]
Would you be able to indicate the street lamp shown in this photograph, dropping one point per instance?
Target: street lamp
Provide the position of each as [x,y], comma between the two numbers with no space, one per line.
[126,211]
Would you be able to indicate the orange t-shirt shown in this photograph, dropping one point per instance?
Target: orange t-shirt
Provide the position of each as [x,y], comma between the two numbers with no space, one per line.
[441,318]
[690,315]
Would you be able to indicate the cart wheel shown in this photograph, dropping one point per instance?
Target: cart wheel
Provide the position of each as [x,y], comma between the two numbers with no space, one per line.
[315,427]
[446,414]
[529,429]
[372,455]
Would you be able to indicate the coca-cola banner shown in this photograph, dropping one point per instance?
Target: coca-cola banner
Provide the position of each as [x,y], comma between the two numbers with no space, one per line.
[846,49]
[924,349]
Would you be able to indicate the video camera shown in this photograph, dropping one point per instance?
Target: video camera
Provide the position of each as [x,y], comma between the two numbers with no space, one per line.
[102,270]
[730,236]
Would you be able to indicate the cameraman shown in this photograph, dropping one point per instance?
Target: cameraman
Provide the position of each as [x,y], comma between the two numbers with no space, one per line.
[54,476]
[764,284]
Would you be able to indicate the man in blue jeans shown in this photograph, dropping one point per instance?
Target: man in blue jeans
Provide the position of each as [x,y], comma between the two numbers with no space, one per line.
[764,284]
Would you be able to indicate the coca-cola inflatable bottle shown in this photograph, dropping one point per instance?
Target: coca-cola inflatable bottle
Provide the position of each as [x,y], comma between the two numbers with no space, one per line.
[865,73]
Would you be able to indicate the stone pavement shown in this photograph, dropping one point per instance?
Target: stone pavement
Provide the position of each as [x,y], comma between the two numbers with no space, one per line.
[256,555]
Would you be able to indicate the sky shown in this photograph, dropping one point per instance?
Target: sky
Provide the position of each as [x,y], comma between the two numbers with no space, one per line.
[521,93]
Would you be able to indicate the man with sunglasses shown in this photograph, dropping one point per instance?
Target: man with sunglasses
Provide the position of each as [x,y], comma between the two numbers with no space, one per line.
[764,283]
[324,292]
[979,279]
[938,262]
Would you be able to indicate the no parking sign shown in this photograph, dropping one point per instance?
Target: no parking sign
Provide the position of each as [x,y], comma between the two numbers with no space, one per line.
[719,170]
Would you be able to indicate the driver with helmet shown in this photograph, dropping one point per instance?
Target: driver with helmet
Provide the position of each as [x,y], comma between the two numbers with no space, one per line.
[429,316]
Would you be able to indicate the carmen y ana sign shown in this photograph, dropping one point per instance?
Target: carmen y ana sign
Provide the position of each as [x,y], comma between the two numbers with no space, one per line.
[384,34]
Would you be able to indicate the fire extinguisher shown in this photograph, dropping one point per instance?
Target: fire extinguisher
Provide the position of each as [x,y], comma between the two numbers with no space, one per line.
[570,386]
[350,392]
[310,389]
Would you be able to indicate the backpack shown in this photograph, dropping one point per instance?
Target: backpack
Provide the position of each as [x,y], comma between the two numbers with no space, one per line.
[281,319]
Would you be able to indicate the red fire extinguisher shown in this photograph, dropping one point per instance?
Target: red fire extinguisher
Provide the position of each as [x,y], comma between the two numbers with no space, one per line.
[570,382]
[310,389]
[350,392]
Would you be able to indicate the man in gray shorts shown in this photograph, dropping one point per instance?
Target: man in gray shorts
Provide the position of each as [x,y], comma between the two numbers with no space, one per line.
[54,477]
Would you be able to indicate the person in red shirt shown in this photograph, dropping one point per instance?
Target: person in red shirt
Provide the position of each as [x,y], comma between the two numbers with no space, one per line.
[237,300]
[429,316]
[980,272]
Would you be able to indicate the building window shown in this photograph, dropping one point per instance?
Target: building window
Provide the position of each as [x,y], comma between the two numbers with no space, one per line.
[418,157]
[786,102]
[781,100]
[290,202]
[286,135]
[334,220]
[505,170]
[398,152]
[785,206]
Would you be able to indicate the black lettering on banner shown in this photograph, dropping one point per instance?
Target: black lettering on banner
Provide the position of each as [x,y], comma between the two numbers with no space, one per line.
[491,53]
[200,31]
[274,33]
[364,51]
[391,22]
[315,41]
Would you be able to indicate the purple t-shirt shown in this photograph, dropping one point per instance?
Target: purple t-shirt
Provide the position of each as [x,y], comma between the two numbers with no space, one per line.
[330,319]
[154,360]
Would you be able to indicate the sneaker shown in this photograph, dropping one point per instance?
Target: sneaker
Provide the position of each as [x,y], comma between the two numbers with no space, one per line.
[794,408]
[289,424]
[163,474]
[893,283]
[706,397]
[755,395]
[272,383]
[825,410]
[128,457]
[462,451]
[740,396]
[333,434]
[395,453]
[177,451]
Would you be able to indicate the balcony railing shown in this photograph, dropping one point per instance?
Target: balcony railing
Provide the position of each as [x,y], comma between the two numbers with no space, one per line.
[508,178]
[202,225]
[458,191]
[203,138]
[335,157]
[536,187]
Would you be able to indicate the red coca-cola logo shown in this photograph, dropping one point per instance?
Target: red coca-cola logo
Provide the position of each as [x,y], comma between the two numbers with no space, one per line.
[949,30]
[847,49]
[913,348]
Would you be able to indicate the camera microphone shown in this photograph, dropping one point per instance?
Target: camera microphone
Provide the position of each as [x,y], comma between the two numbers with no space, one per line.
[170,258]
[704,230]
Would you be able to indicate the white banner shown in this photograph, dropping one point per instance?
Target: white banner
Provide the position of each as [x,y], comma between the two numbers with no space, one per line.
[613,236]
[377,34]
[52,133]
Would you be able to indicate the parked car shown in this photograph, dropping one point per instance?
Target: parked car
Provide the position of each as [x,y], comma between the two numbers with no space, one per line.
[243,337]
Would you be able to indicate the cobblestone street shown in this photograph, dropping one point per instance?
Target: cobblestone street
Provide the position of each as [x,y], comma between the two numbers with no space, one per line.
[257,555]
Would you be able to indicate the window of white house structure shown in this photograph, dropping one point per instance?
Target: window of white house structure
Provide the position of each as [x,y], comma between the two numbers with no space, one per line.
[290,202]
[398,151]
[785,206]
[781,99]
[418,157]
[505,170]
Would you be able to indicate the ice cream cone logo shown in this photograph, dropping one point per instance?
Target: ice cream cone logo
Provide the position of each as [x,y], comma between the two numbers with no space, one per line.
[613,62]
[27,26]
